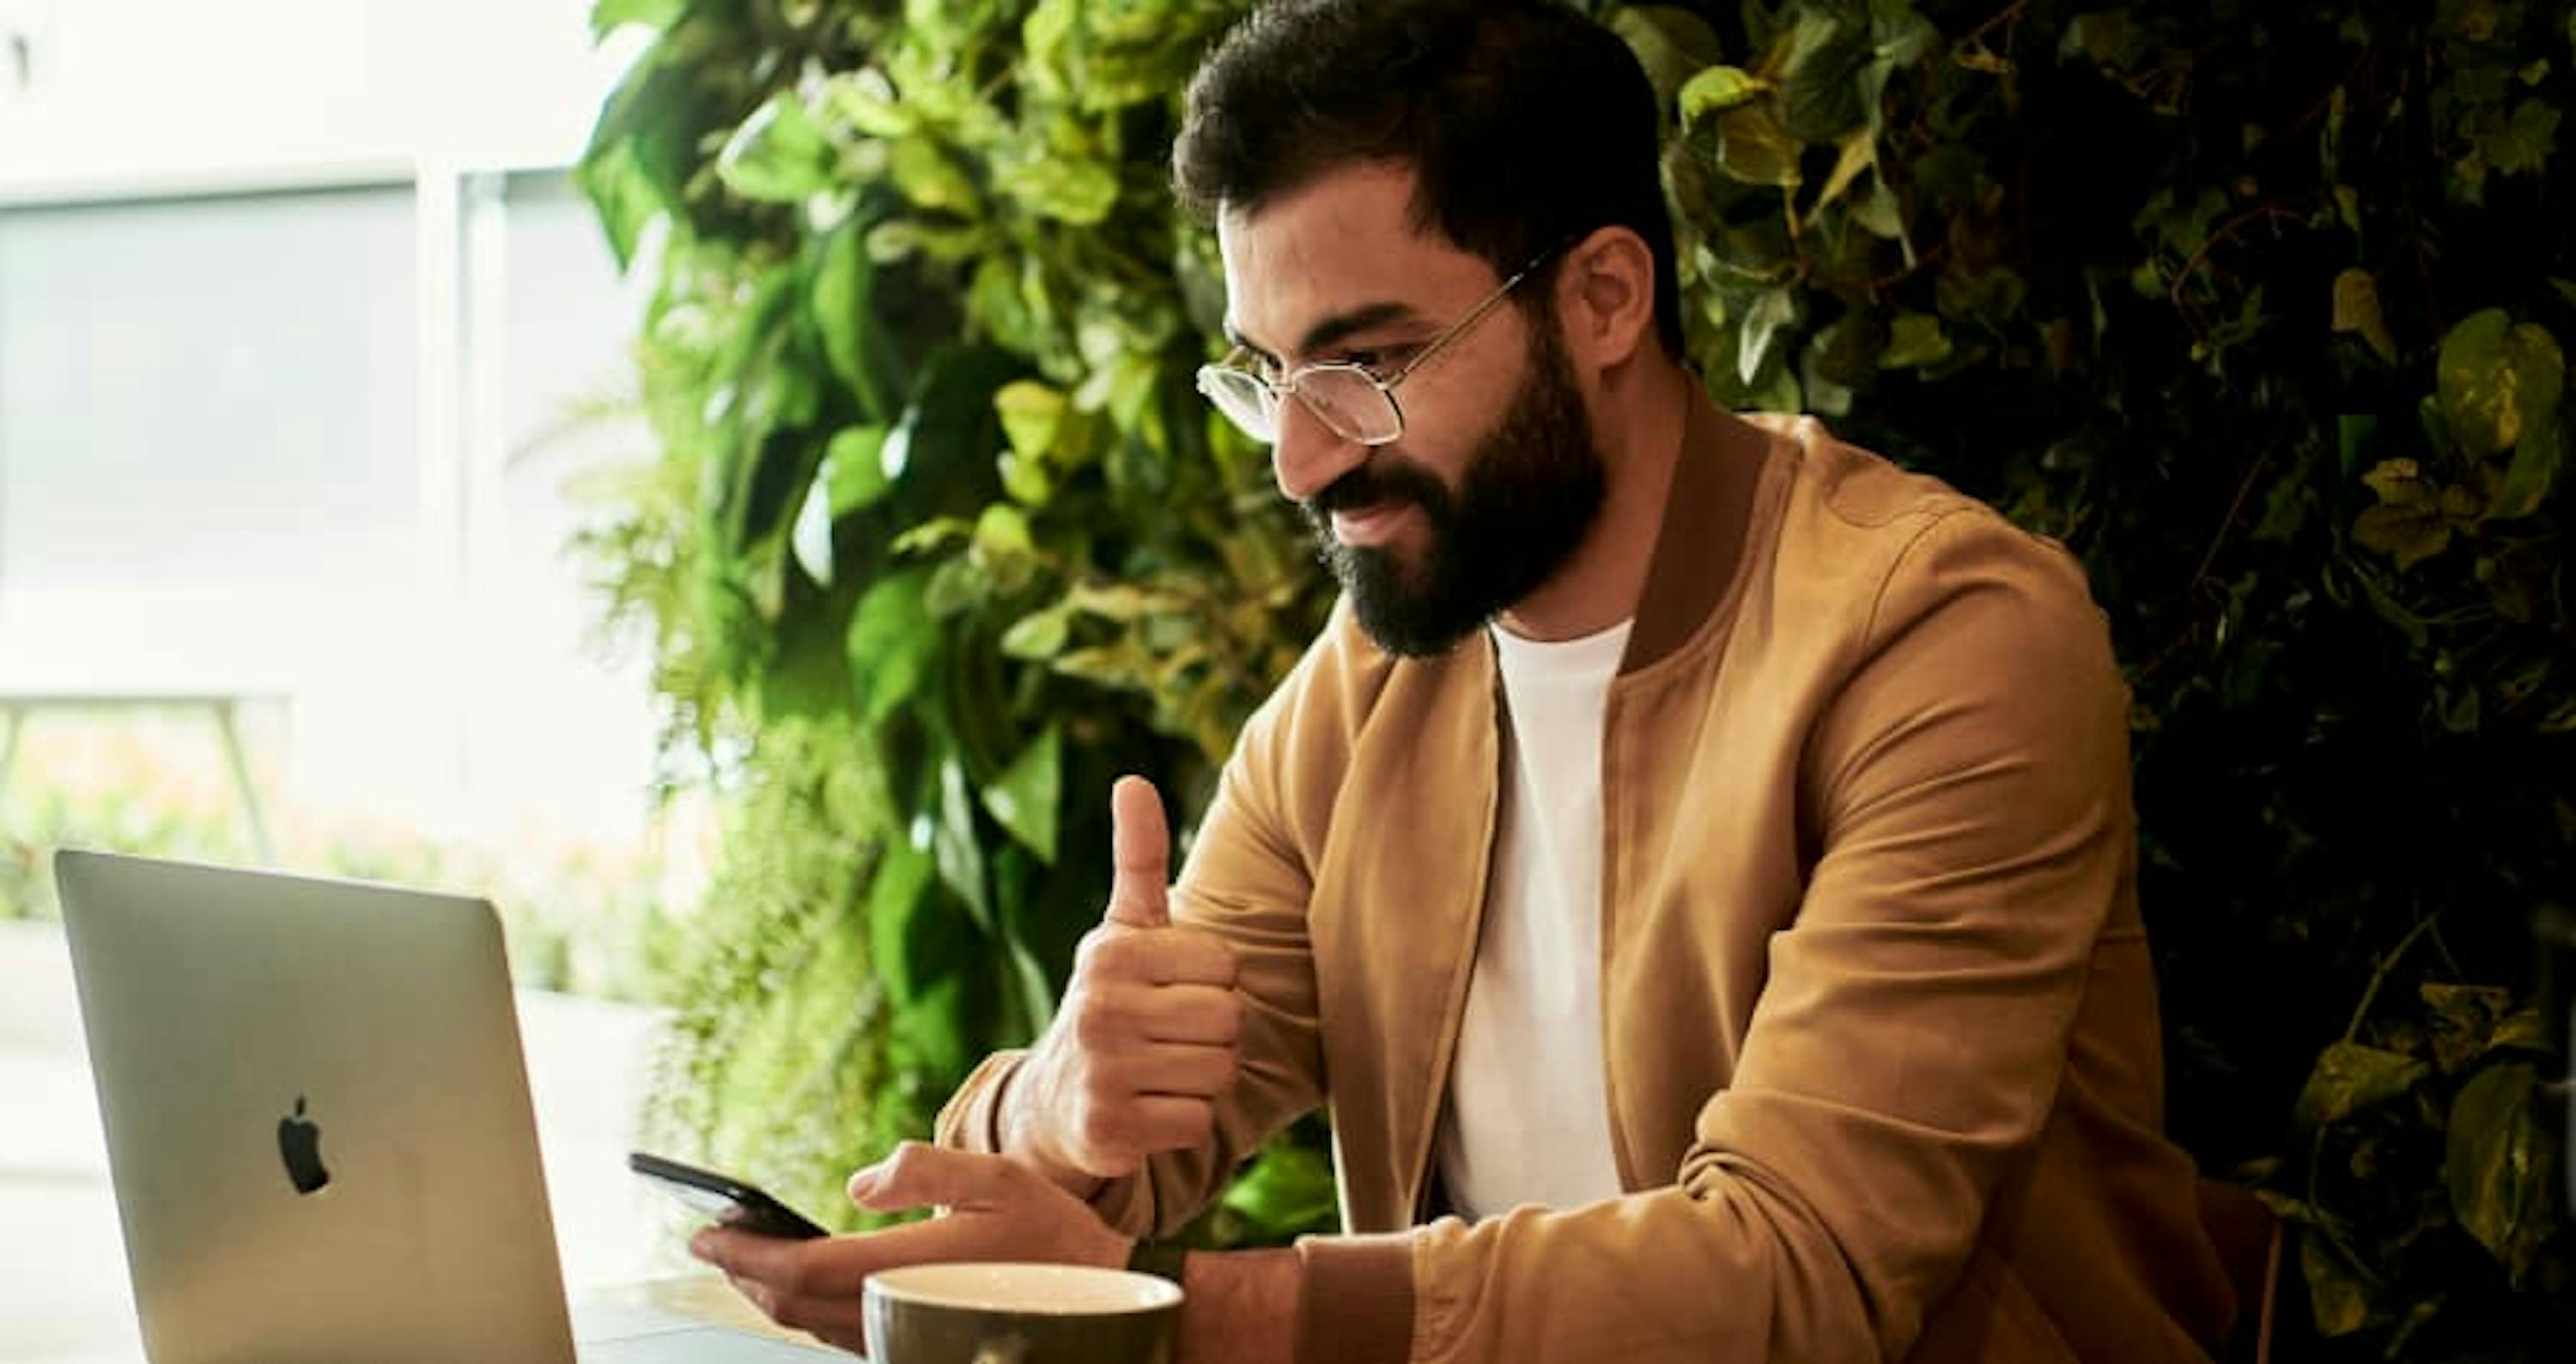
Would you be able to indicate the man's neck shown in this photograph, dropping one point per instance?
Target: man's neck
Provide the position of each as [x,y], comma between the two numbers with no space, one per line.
[1638,425]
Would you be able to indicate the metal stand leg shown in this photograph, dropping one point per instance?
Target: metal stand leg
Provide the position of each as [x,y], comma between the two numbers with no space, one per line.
[249,793]
[17,718]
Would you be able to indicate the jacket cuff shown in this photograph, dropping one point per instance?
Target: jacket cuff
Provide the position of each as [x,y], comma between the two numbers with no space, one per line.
[1355,1299]
[972,1119]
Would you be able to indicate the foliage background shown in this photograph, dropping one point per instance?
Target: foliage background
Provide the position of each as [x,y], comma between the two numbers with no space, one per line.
[2258,307]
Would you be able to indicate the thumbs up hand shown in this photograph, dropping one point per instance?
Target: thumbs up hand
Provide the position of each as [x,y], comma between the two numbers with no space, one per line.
[1146,1041]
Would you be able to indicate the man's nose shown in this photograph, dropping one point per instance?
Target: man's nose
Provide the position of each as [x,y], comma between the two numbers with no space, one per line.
[1309,456]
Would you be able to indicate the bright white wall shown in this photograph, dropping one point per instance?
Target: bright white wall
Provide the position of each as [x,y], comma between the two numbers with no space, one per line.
[179,418]
[120,92]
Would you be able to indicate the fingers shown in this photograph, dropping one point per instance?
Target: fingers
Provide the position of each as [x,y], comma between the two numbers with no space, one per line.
[1113,1022]
[1148,1123]
[919,1175]
[1169,956]
[1140,854]
[1187,1072]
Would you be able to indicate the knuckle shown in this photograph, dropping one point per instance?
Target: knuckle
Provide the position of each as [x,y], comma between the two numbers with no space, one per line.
[904,1163]
[1086,953]
[1095,1025]
[1102,1132]
[1123,954]
[809,1279]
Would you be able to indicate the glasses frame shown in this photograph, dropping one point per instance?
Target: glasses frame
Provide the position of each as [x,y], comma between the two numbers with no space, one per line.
[1288,386]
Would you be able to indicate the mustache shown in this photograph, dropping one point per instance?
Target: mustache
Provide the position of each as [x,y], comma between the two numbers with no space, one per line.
[1385,481]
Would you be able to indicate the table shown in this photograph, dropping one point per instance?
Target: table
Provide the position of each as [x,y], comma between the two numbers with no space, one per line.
[223,707]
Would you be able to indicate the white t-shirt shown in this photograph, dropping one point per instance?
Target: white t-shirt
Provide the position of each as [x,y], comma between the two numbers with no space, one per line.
[1528,1114]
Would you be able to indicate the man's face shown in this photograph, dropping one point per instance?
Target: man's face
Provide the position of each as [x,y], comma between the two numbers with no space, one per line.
[1495,479]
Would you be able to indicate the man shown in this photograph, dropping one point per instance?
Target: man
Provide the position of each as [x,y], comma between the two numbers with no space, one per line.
[1695,864]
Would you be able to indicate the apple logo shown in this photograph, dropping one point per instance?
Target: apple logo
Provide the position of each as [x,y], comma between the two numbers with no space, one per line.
[299,1144]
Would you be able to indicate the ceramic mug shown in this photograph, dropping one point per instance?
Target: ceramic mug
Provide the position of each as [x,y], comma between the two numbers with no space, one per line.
[1019,1314]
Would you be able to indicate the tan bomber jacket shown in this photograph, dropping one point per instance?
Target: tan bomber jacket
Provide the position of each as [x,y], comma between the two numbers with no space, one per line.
[1880,1030]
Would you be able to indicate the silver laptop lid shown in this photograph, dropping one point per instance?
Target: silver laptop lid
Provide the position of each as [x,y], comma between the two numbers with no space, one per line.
[317,1117]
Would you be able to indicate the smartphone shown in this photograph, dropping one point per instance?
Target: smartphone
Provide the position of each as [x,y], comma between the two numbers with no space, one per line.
[733,1202]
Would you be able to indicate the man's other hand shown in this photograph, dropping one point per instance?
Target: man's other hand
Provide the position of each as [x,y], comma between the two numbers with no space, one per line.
[995,1209]
[1146,1041]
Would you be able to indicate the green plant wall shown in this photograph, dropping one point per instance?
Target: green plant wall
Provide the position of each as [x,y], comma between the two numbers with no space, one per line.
[2261,308]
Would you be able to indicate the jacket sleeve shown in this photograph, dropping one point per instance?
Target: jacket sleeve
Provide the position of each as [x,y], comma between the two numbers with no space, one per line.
[1245,880]
[1968,777]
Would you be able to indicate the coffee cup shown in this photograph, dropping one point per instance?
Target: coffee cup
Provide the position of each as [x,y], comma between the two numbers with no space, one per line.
[1019,1314]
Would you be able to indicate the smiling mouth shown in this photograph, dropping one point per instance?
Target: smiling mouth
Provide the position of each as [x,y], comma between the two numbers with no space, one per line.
[1361,527]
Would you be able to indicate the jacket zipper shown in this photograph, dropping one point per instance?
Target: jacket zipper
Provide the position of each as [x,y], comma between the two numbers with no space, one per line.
[1444,1051]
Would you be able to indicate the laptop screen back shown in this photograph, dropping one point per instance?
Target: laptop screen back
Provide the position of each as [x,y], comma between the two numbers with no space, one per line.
[317,1117]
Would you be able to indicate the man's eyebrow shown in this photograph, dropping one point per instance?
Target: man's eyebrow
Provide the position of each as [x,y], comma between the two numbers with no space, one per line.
[1334,328]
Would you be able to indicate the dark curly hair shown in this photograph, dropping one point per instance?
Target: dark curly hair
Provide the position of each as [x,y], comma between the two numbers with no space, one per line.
[1526,123]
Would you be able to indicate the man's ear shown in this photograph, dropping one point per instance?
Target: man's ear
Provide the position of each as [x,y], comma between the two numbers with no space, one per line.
[1605,290]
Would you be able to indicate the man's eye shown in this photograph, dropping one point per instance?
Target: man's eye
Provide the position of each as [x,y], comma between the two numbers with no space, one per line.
[1374,361]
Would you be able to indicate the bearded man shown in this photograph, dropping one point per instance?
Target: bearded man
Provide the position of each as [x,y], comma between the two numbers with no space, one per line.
[1695,864]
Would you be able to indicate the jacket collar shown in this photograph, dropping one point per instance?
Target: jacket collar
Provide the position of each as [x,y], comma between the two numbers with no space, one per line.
[1708,508]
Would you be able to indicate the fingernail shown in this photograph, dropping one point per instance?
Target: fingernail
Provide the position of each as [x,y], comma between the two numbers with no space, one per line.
[702,1245]
[864,1182]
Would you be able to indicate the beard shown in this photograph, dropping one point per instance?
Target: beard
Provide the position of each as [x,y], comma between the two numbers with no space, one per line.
[1531,491]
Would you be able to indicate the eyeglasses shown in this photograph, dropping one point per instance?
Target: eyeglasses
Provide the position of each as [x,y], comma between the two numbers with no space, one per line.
[1349,399]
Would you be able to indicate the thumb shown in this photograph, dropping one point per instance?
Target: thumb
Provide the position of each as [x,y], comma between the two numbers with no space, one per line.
[919,1174]
[1140,855]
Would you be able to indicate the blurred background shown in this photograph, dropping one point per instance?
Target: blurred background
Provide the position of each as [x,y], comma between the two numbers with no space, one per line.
[305,344]
[723,478]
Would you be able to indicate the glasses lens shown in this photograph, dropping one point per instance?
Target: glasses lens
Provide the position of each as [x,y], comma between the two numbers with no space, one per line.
[1244,399]
[1344,398]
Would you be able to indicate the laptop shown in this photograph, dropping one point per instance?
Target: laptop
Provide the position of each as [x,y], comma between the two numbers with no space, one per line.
[319,1129]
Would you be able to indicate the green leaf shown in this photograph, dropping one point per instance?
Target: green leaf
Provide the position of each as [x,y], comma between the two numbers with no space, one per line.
[1859,153]
[2524,143]
[854,469]
[617,187]
[867,101]
[957,846]
[1287,1190]
[2494,377]
[1671,43]
[2463,1018]
[2409,534]
[2497,1163]
[1031,415]
[1718,89]
[2356,312]
[2536,461]
[1879,213]
[1026,480]
[778,155]
[1075,191]
[2338,1297]
[1753,146]
[607,16]
[2353,434]
[1914,339]
[2399,483]
[1776,308]
[892,642]
[1821,86]
[1039,635]
[1004,530]
[1024,798]
[900,909]
[2350,1077]
[855,338]
[928,177]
